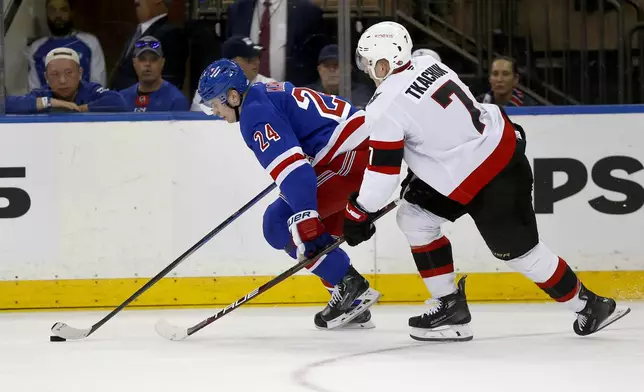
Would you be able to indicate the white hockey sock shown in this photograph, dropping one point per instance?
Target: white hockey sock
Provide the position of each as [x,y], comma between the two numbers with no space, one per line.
[441,285]
[552,274]
[576,304]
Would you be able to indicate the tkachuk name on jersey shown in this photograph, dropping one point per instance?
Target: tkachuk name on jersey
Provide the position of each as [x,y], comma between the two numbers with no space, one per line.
[424,80]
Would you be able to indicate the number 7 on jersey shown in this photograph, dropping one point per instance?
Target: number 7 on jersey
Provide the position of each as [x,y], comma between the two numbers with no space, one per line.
[264,141]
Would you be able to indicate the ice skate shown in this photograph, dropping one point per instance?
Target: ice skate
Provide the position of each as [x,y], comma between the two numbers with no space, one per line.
[447,320]
[362,321]
[599,313]
[350,299]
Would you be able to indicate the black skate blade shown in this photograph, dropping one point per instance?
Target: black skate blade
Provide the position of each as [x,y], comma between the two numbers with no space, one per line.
[367,300]
[351,326]
[617,314]
[455,333]
[452,340]
[362,321]
[363,325]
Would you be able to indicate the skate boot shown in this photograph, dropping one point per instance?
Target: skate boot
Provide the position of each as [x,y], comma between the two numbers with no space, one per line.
[350,299]
[599,313]
[446,321]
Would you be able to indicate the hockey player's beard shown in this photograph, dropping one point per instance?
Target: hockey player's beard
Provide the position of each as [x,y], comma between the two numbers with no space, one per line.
[59,28]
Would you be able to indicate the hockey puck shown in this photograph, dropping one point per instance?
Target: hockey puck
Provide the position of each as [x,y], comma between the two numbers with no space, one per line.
[57,339]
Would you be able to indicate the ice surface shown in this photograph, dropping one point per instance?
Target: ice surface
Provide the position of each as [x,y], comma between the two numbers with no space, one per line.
[518,347]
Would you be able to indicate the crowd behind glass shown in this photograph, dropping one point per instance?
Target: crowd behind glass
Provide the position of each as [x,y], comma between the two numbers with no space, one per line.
[67,71]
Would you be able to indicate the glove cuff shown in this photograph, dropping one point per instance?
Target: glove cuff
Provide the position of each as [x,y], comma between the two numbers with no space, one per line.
[300,216]
[307,224]
[354,211]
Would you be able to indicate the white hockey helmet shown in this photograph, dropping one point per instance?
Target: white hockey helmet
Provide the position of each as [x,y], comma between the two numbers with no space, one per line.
[426,52]
[385,40]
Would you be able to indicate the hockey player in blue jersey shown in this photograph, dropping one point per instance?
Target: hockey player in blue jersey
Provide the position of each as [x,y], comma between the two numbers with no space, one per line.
[315,148]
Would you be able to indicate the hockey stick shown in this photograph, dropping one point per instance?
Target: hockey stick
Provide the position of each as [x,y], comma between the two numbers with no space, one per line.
[65,331]
[172,332]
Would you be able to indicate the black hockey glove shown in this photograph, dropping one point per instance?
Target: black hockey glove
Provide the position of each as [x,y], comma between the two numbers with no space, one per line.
[405,183]
[358,223]
[519,128]
[416,191]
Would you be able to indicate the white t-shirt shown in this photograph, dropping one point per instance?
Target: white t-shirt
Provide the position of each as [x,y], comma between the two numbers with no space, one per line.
[428,116]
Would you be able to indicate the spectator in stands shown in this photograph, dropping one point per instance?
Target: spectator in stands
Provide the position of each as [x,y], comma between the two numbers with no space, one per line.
[153,18]
[152,93]
[66,91]
[244,52]
[329,82]
[292,33]
[61,27]
[504,77]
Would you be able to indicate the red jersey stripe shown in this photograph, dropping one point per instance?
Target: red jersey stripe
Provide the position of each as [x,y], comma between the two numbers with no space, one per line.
[284,164]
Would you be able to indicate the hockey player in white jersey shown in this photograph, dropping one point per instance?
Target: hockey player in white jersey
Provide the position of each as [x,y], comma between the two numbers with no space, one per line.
[464,158]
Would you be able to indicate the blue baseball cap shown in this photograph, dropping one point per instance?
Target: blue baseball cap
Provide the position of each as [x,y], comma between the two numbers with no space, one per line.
[329,52]
[148,44]
[240,46]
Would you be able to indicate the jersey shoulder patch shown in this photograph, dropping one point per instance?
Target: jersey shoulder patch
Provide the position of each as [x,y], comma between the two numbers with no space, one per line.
[380,102]
[375,96]
[255,91]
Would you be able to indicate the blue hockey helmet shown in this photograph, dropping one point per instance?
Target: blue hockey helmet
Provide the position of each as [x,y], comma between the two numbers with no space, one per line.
[218,78]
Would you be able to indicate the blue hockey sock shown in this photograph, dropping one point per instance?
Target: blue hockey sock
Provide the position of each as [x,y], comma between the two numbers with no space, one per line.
[332,267]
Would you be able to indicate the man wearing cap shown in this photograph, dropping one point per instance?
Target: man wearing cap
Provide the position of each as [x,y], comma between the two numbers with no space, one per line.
[66,91]
[244,52]
[152,93]
[153,20]
[329,82]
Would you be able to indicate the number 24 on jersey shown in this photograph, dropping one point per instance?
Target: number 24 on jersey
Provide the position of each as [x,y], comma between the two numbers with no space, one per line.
[264,138]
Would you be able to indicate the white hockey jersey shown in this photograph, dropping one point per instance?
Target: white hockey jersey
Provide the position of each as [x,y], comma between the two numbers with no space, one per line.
[427,116]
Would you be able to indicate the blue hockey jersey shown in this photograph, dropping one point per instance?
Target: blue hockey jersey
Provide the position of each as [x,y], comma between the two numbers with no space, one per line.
[290,129]
[96,97]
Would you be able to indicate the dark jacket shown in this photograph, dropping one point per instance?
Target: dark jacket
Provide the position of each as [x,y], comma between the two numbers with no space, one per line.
[175,51]
[96,97]
[305,35]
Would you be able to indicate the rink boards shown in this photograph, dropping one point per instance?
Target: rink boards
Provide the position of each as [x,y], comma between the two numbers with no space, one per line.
[93,205]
